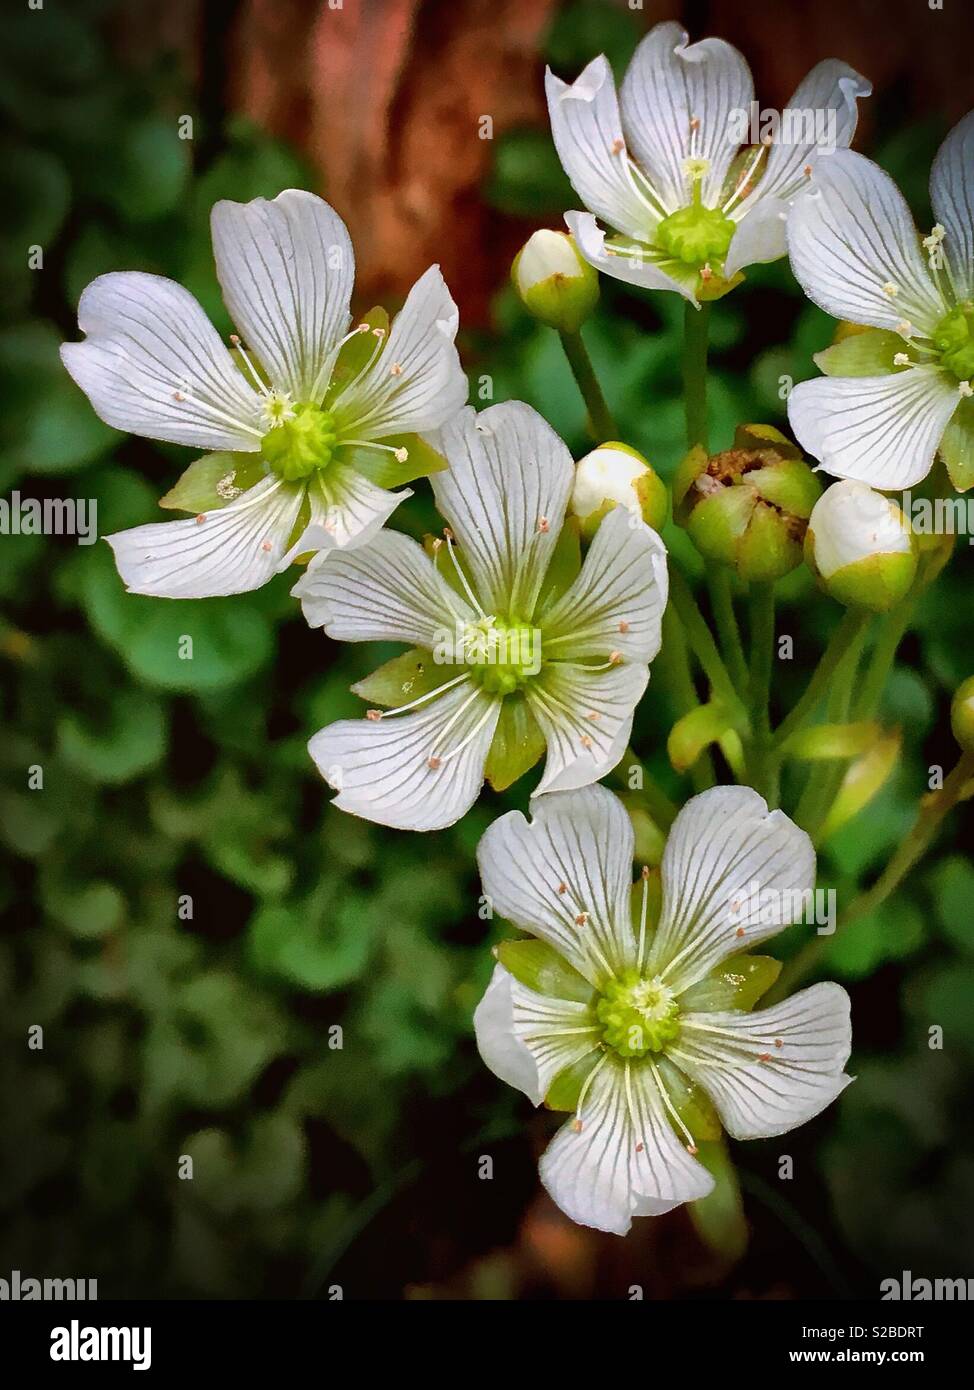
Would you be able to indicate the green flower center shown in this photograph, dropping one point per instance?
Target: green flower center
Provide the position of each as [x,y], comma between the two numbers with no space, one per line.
[954,339]
[696,235]
[638,1015]
[301,444]
[504,655]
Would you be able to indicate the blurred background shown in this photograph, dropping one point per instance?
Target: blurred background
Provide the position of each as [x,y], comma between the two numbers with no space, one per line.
[222,966]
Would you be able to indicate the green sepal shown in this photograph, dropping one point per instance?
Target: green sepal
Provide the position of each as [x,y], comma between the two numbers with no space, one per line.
[826,742]
[404,678]
[695,731]
[385,470]
[957,446]
[196,489]
[563,568]
[863,780]
[862,354]
[566,1089]
[715,286]
[539,967]
[737,983]
[356,353]
[755,437]
[876,582]
[690,1102]
[517,744]
[688,470]
[719,1218]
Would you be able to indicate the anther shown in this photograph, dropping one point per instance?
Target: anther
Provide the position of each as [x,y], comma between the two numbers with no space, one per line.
[904,328]
[778,1042]
[618,145]
[640,1146]
[544,525]
[178,396]
[401,455]
[890,289]
[764,1056]
[266,547]
[200,518]
[396,369]
[901,359]
[807,171]
[581,919]
[593,714]
[585,741]
[706,273]
[623,626]
[563,888]
[965,389]
[692,1149]
[739,932]
[374,715]
[433,763]
[615,658]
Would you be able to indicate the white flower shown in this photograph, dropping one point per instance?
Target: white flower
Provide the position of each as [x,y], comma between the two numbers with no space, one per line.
[857,254]
[297,431]
[627,1021]
[524,647]
[850,523]
[657,166]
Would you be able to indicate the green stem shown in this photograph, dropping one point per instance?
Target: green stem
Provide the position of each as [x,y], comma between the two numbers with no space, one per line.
[673,665]
[853,623]
[696,329]
[704,647]
[600,416]
[933,810]
[825,778]
[880,664]
[762,765]
[725,619]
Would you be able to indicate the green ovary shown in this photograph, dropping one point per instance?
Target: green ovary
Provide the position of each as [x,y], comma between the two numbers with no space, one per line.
[504,655]
[301,445]
[954,339]
[696,235]
[638,1015]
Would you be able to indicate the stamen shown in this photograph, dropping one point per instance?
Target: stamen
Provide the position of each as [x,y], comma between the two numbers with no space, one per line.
[623,626]
[235,341]
[400,454]
[441,758]
[743,183]
[448,537]
[421,700]
[642,920]
[577,1123]
[691,1147]
[378,334]
[902,359]
[965,389]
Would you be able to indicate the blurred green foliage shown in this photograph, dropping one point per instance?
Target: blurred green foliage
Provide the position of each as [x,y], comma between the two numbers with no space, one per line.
[188,920]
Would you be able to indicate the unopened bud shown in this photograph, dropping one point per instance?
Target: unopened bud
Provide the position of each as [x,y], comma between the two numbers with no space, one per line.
[861,546]
[616,475]
[555,284]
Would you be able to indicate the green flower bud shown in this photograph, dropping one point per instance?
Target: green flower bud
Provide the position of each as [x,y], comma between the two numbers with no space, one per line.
[962,715]
[553,281]
[861,547]
[748,507]
[616,475]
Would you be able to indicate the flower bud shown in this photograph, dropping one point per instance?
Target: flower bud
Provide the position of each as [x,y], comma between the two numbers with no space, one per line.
[861,546]
[748,507]
[962,715]
[615,475]
[555,284]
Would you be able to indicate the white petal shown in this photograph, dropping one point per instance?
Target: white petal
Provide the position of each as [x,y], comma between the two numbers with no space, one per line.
[388,591]
[632,270]
[504,495]
[563,699]
[153,364]
[671,82]
[429,386]
[952,196]
[599,1175]
[623,584]
[854,248]
[880,430]
[381,769]
[286,268]
[831,86]
[582,844]
[527,1038]
[232,550]
[733,874]
[804,1043]
[347,511]
[587,132]
[851,522]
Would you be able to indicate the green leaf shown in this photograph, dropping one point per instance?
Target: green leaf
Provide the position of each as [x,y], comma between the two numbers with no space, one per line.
[128,740]
[197,489]
[862,354]
[405,678]
[719,1217]
[957,446]
[517,744]
[737,983]
[539,966]
[952,882]
[89,910]
[319,944]
[895,932]
[385,470]
[148,176]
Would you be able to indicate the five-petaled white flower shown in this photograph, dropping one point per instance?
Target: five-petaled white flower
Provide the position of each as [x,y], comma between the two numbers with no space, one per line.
[518,647]
[642,1028]
[300,434]
[659,165]
[896,395]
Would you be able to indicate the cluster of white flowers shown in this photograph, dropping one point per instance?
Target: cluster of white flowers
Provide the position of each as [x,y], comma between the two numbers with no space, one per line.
[637,1019]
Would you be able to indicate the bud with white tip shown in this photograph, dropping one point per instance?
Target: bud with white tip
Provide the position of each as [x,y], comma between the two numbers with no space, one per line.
[861,546]
[554,283]
[616,475]
[962,715]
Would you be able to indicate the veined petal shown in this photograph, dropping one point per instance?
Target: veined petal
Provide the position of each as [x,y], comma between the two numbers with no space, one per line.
[586,718]
[417,382]
[347,511]
[512,1020]
[624,1160]
[388,591]
[854,248]
[677,101]
[232,550]
[286,268]
[632,270]
[881,430]
[770,1071]
[617,601]
[588,136]
[734,873]
[952,196]
[565,876]
[382,769]
[153,364]
[830,87]
[504,495]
